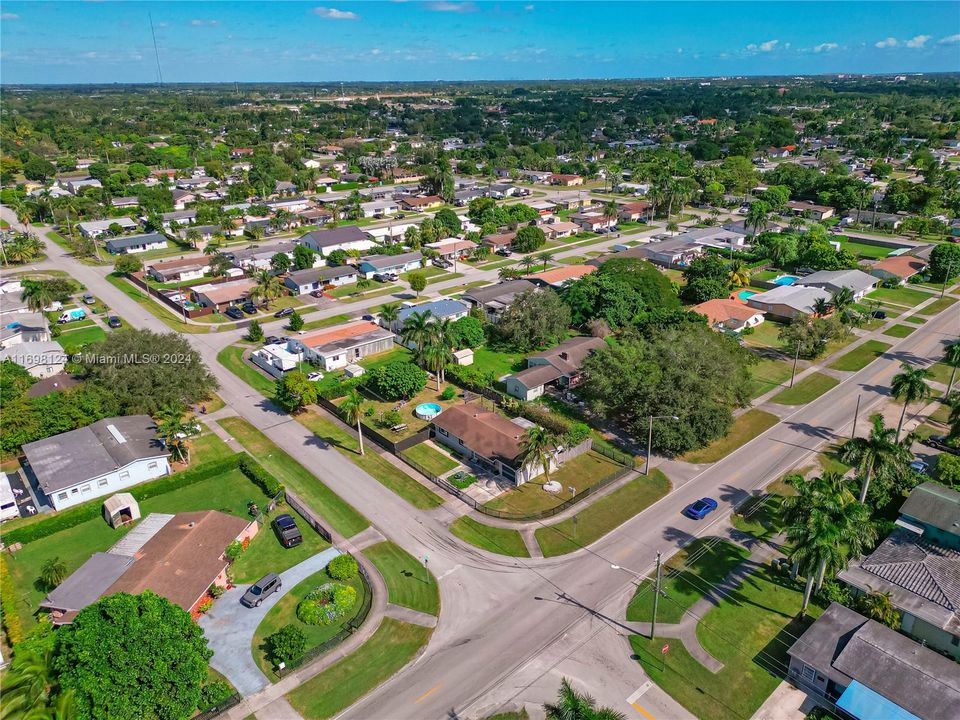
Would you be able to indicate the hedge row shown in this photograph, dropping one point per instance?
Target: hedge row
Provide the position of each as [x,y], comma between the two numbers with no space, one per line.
[341,388]
[260,477]
[75,516]
[8,605]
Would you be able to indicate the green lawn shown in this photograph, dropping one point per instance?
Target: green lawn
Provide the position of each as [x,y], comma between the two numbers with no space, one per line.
[806,390]
[373,464]
[937,306]
[409,582]
[940,372]
[392,646]
[75,340]
[430,459]
[231,357]
[580,473]
[768,374]
[865,251]
[207,447]
[900,296]
[326,322]
[898,331]
[266,554]
[682,585]
[603,515]
[745,427]
[915,319]
[497,362]
[765,335]
[330,506]
[351,289]
[860,357]
[285,613]
[457,289]
[502,541]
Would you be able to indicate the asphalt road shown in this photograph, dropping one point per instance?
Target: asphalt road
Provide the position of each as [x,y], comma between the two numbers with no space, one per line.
[508,624]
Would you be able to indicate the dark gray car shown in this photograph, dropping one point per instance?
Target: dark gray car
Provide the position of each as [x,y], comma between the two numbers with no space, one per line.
[261,590]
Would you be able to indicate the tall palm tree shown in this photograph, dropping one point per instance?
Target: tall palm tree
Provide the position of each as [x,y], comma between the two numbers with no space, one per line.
[536,448]
[38,296]
[439,347]
[572,705]
[811,494]
[672,227]
[352,408]
[176,430]
[757,215]
[528,262]
[739,273]
[212,248]
[545,257]
[880,454]
[52,572]
[268,288]
[822,307]
[909,385]
[389,312]
[952,358]
[842,301]
[416,329]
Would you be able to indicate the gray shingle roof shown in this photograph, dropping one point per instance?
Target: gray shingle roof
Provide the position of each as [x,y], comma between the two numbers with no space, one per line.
[135,240]
[84,586]
[935,505]
[335,236]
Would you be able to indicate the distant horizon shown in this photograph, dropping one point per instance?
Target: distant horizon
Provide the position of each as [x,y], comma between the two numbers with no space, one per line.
[104,43]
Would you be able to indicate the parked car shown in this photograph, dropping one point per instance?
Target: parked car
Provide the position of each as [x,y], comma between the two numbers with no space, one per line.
[700,509]
[371,318]
[261,590]
[234,312]
[114,322]
[919,466]
[249,308]
[441,263]
[288,532]
[89,299]
[879,314]
[68,316]
[317,293]
[386,277]
[504,252]
[940,443]
[283,313]
[315,376]
[273,340]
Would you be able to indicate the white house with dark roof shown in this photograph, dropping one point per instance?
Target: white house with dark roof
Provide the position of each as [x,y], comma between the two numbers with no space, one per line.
[856,281]
[348,237]
[136,243]
[306,281]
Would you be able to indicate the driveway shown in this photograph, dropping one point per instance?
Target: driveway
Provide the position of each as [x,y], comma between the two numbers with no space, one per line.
[230,626]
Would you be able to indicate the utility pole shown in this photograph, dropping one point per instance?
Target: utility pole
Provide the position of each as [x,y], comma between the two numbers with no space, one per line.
[796,359]
[853,432]
[946,277]
[656,600]
[646,467]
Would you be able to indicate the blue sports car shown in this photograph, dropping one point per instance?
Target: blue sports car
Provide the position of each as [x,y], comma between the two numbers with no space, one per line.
[700,509]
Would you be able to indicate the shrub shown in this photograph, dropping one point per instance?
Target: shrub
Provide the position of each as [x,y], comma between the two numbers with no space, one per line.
[254,331]
[296,322]
[528,239]
[214,693]
[948,469]
[343,567]
[397,380]
[233,551]
[205,606]
[469,377]
[326,604]
[260,477]
[8,605]
[467,332]
[287,645]
[448,393]
[391,418]
[215,590]
[341,388]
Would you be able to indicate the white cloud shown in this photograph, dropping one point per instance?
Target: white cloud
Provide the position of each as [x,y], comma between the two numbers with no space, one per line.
[767,46]
[825,47]
[452,7]
[888,43]
[468,57]
[376,51]
[528,8]
[949,40]
[334,14]
[9,16]
[917,42]
[204,23]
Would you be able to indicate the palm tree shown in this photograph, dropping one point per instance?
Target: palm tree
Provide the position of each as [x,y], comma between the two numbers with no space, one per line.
[842,301]
[672,227]
[880,454]
[877,605]
[952,358]
[29,684]
[757,215]
[416,329]
[176,431]
[352,408]
[38,296]
[212,248]
[572,705]
[193,237]
[528,262]
[739,273]
[436,354]
[821,307]
[545,257]
[536,448]
[909,385]
[389,312]
[796,222]
[813,494]
[268,288]
[52,572]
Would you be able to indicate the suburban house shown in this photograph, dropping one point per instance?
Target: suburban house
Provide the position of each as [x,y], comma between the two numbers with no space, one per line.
[494,299]
[635,211]
[898,267]
[182,198]
[379,208]
[673,253]
[136,243]
[463,197]
[593,222]
[715,237]
[99,459]
[872,672]
[291,205]
[919,564]
[727,314]
[276,359]
[96,228]
[488,439]
[178,557]
[220,296]
[559,229]
[544,208]
[559,365]
[301,282]
[416,203]
[887,221]
[534,176]
[450,249]
[348,237]
[438,309]
[556,277]
[181,217]
[337,347]
[76,185]
[565,180]
[23,327]
[498,241]
[809,209]
[377,264]
[788,301]
[258,257]
[41,359]
[856,281]
[180,270]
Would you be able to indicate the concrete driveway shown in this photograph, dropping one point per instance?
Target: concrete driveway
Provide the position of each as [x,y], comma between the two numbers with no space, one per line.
[230,626]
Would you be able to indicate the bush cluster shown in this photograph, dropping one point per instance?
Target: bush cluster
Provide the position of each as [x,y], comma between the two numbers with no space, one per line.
[260,477]
[326,604]
[343,567]
[213,693]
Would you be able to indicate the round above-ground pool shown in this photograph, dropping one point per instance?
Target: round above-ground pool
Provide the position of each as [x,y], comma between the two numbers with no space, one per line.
[427,411]
[785,280]
[746,294]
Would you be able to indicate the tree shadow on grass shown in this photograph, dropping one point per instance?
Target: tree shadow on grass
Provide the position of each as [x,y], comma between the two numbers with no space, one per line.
[773,656]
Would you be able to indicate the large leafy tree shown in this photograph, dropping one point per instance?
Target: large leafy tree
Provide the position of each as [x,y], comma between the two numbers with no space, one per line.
[608,297]
[294,391]
[535,319]
[655,287]
[129,657]
[879,455]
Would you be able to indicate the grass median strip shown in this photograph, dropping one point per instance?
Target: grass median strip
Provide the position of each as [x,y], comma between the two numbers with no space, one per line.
[898,331]
[603,515]
[937,306]
[340,514]
[386,473]
[409,583]
[807,390]
[860,357]
[502,541]
[745,428]
[392,646]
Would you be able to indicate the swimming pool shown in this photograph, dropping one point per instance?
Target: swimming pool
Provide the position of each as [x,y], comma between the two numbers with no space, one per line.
[427,411]
[785,280]
[746,294]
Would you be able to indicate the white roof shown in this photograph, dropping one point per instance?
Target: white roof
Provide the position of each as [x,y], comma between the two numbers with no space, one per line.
[6,492]
[95,225]
[797,297]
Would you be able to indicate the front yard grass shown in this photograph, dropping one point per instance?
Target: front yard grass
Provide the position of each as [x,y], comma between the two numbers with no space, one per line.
[409,582]
[710,561]
[326,322]
[499,363]
[603,515]
[940,372]
[331,507]
[898,331]
[502,541]
[900,296]
[937,306]
[75,340]
[580,473]
[745,428]
[768,374]
[430,459]
[807,390]
[391,647]
[383,471]
[285,613]
[207,447]
[860,357]
[231,357]
[265,553]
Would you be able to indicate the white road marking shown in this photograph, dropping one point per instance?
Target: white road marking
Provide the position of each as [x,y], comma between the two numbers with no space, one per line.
[451,570]
[639,692]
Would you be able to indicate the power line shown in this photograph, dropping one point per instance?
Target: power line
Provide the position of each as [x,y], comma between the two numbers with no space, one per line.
[156,51]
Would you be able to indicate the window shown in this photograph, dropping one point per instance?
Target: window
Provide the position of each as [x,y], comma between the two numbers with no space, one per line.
[61,496]
[808,673]
[955,640]
[85,488]
[74,491]
[443,432]
[152,465]
[124,474]
[460,441]
[102,482]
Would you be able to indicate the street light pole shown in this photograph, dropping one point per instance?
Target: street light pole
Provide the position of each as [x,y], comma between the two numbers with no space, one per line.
[856,413]
[796,358]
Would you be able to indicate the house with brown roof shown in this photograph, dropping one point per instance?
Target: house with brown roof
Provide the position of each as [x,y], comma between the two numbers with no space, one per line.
[898,267]
[337,347]
[499,240]
[555,277]
[565,180]
[415,203]
[560,366]
[726,314]
[559,229]
[809,209]
[220,296]
[179,270]
[635,211]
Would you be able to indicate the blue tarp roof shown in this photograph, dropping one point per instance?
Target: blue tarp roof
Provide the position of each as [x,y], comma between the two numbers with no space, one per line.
[862,702]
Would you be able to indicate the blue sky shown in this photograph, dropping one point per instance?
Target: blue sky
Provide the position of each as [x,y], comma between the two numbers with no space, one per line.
[76,42]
